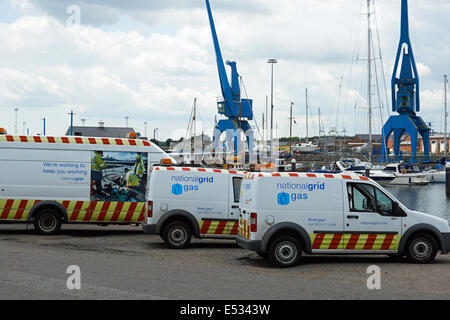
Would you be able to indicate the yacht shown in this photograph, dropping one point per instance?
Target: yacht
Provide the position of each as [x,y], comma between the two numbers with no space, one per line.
[358,167]
[406,174]
[307,147]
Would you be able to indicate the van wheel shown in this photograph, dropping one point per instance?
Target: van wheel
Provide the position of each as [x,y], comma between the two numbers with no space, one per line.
[422,248]
[177,235]
[47,222]
[285,252]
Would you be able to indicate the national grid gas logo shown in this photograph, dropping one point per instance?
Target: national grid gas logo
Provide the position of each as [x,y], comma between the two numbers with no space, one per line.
[186,184]
[292,192]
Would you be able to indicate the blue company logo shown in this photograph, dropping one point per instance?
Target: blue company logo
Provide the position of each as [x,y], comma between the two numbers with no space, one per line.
[283,199]
[177,189]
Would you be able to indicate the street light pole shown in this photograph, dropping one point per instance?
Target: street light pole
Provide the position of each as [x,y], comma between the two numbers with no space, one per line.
[272,62]
[44,126]
[15,125]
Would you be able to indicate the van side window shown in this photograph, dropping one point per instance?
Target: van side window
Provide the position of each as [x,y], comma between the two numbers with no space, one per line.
[361,198]
[237,188]
[367,198]
[384,204]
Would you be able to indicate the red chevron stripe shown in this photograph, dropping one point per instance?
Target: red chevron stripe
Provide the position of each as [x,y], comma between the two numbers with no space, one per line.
[370,241]
[221,227]
[387,242]
[235,229]
[318,241]
[76,210]
[117,211]
[104,211]
[7,209]
[352,242]
[205,227]
[21,209]
[131,211]
[141,216]
[335,242]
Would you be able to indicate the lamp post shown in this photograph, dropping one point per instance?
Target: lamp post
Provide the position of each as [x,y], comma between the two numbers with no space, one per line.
[44,126]
[271,62]
[71,114]
[16,110]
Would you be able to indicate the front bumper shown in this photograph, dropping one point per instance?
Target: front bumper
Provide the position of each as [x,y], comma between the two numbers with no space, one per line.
[253,245]
[446,237]
[149,228]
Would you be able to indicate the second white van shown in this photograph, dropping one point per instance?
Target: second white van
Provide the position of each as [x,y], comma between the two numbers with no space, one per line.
[186,202]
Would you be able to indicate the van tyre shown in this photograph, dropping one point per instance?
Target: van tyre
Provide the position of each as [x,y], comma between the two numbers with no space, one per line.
[47,222]
[285,252]
[177,235]
[421,248]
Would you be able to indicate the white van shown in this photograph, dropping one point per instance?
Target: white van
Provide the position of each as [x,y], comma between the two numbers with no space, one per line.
[53,180]
[285,214]
[199,202]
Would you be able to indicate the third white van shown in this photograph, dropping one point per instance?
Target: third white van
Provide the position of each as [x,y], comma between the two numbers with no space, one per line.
[286,214]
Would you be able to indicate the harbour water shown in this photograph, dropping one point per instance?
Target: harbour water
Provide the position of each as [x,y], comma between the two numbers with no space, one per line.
[429,199]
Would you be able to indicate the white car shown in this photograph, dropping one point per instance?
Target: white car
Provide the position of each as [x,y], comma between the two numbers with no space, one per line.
[186,202]
[285,214]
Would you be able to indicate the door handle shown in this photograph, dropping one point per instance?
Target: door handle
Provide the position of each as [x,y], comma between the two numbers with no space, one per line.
[352,217]
[235,207]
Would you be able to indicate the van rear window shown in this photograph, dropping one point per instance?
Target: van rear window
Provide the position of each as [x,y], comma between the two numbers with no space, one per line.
[237,182]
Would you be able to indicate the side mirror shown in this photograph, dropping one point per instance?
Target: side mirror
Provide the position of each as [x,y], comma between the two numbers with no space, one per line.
[398,212]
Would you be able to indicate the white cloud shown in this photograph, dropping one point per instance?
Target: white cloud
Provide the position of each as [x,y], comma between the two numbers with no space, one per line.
[153,71]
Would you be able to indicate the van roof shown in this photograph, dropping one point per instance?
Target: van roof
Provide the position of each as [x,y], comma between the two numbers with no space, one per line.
[305,175]
[75,140]
[191,169]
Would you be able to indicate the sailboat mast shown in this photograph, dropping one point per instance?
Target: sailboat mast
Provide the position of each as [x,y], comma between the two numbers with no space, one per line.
[195,117]
[369,81]
[307,129]
[446,115]
[290,130]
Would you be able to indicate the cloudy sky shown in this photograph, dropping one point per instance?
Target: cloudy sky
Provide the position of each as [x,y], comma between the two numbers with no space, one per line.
[149,59]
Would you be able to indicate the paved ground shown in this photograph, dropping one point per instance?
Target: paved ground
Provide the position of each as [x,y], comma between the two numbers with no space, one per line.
[122,263]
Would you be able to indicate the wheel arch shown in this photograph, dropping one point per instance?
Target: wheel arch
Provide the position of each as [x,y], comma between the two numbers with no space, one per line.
[48,205]
[422,228]
[287,228]
[178,213]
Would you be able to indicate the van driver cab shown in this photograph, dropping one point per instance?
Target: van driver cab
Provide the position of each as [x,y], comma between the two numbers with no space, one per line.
[286,214]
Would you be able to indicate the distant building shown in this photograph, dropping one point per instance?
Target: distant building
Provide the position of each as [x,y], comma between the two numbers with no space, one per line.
[100,131]
[437,143]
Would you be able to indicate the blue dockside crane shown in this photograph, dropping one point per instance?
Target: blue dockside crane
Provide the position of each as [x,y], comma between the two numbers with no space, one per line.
[238,111]
[405,99]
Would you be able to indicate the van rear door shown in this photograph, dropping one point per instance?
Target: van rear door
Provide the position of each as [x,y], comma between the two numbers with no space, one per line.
[245,201]
[233,202]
